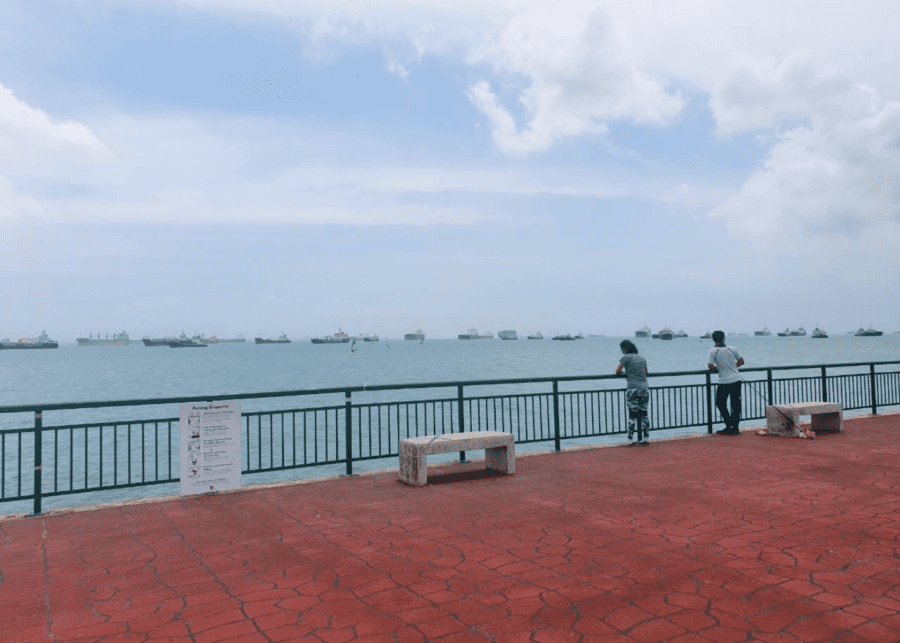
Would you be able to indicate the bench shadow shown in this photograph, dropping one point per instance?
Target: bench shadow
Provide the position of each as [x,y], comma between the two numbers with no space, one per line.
[463,476]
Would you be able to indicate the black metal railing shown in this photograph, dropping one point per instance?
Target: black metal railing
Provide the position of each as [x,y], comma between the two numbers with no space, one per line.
[102,453]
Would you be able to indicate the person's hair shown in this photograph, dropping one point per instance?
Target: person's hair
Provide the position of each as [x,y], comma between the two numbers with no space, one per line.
[628,346]
[718,336]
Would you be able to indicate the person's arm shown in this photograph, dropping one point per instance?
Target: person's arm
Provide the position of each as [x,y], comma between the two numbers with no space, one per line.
[740,362]
[620,368]
[712,367]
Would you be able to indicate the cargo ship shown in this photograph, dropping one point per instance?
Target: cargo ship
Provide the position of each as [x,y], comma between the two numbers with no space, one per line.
[868,332]
[473,334]
[417,336]
[339,337]
[563,337]
[642,332]
[158,341]
[240,339]
[118,339]
[765,332]
[819,334]
[282,339]
[41,341]
[508,334]
[537,335]
[666,333]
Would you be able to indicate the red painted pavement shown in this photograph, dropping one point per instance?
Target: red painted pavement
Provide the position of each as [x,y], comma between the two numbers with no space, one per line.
[721,539]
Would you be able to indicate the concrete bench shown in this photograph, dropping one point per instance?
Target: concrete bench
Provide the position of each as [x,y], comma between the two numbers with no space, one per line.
[499,452]
[784,419]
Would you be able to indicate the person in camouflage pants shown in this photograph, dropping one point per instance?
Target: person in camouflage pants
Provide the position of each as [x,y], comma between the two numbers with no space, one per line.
[637,395]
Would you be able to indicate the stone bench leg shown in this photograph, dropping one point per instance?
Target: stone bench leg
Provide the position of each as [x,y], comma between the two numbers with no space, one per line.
[783,422]
[413,465]
[501,459]
[828,422]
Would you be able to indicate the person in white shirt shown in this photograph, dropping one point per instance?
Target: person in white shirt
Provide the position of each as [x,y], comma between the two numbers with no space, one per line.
[725,360]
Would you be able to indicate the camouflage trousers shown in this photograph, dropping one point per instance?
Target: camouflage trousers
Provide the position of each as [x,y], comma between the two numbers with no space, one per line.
[638,400]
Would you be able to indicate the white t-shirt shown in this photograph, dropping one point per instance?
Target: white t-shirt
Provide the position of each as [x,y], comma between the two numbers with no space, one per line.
[725,358]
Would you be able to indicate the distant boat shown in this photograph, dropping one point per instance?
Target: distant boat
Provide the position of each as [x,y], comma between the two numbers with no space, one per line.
[785,333]
[579,336]
[666,333]
[282,339]
[370,338]
[819,334]
[240,339]
[680,334]
[537,335]
[118,339]
[41,341]
[158,341]
[563,337]
[187,342]
[868,332]
[417,336]
[765,332]
[708,335]
[800,332]
[473,334]
[339,337]
[591,335]
[508,334]
[642,332]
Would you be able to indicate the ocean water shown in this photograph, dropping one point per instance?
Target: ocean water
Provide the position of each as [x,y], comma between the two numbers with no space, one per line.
[84,374]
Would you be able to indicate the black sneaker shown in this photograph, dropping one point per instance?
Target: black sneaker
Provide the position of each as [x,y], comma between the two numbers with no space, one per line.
[728,432]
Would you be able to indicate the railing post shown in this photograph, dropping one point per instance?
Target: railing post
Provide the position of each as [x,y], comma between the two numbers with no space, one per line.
[348,431]
[461,417]
[872,389]
[770,391]
[709,415]
[556,414]
[38,458]
[824,385]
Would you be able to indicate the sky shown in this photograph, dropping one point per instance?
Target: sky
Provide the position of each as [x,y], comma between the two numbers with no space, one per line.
[269,166]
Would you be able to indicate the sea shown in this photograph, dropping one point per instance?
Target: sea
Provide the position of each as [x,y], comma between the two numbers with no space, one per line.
[100,373]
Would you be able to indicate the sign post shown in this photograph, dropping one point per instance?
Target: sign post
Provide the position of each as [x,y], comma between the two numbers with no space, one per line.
[210,447]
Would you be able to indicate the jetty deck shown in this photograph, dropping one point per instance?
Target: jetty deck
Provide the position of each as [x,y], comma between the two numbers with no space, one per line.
[707,539]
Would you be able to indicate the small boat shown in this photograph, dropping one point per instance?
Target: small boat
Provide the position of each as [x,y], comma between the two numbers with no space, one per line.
[537,335]
[508,334]
[642,332]
[819,334]
[417,336]
[282,339]
[41,341]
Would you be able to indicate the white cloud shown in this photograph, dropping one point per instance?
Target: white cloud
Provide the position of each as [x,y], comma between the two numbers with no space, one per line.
[30,140]
[831,189]
[577,83]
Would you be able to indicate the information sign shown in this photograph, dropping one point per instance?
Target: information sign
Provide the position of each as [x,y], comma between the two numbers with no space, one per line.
[210,447]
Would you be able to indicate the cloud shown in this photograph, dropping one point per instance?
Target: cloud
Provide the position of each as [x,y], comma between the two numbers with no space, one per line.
[576,84]
[830,189]
[30,140]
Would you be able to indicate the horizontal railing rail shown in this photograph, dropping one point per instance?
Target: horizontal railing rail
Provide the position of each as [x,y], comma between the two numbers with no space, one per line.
[73,457]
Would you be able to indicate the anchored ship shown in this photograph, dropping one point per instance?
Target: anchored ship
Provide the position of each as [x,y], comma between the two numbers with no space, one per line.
[41,341]
[642,332]
[819,334]
[508,334]
[282,339]
[537,335]
[868,332]
[118,339]
[765,332]
[339,337]
[417,336]
[666,333]
[473,334]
